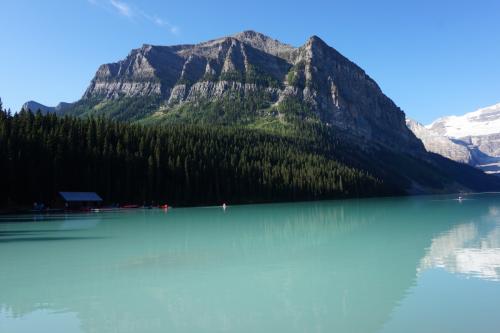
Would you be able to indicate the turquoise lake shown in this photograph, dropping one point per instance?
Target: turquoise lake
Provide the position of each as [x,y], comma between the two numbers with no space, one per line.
[415,264]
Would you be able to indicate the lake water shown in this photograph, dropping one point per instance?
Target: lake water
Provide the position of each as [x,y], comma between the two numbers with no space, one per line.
[426,264]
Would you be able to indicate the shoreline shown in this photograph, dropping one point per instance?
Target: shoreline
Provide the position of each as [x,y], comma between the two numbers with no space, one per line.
[24,210]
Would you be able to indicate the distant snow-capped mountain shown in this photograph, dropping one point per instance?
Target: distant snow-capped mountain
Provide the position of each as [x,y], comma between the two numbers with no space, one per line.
[482,122]
[473,138]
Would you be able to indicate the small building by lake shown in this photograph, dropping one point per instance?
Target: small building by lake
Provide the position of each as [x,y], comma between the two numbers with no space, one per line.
[78,200]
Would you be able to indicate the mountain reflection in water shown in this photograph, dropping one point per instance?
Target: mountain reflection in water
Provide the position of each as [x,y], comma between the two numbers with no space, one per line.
[346,266]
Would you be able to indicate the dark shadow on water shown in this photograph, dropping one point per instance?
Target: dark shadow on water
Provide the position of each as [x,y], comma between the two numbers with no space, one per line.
[8,233]
[45,239]
[10,219]
[29,219]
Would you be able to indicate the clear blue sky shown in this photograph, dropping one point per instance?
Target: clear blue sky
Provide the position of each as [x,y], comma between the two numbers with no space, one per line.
[431,57]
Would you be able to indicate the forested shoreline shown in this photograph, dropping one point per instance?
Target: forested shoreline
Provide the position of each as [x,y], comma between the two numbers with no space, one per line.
[176,164]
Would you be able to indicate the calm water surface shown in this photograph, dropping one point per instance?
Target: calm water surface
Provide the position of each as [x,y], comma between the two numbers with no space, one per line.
[428,264]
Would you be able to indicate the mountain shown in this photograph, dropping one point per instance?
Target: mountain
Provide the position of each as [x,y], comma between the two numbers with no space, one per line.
[253,81]
[440,144]
[485,121]
[473,138]
[479,130]
[266,80]
[35,106]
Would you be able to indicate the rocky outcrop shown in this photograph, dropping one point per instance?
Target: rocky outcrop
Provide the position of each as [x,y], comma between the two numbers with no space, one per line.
[439,144]
[488,144]
[147,71]
[345,96]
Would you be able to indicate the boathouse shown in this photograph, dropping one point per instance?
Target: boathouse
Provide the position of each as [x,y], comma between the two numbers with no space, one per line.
[76,200]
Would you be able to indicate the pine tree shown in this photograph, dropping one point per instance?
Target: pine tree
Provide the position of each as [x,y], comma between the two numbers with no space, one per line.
[178,164]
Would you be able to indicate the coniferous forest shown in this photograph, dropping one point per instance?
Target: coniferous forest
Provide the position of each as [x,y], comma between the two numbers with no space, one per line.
[178,164]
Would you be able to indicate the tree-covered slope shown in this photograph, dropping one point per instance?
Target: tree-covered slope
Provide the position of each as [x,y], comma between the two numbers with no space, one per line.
[259,95]
[195,165]
[178,164]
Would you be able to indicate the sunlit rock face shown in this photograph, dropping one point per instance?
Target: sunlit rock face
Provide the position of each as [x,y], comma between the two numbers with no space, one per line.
[251,65]
[440,144]
[471,249]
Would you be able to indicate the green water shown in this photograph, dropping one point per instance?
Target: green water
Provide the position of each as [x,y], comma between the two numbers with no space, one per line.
[428,264]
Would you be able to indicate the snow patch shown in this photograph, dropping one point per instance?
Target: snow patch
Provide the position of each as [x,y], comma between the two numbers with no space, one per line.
[484,121]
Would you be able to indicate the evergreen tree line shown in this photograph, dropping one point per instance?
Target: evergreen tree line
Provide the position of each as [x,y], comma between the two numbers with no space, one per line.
[178,164]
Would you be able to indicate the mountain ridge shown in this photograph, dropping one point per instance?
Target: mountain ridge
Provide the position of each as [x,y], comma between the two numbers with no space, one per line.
[35,106]
[484,121]
[249,80]
[249,65]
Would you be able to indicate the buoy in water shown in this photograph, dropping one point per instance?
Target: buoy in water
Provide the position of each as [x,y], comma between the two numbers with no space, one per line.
[224,206]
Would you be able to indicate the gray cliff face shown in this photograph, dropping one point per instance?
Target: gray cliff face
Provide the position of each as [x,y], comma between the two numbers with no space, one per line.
[203,90]
[347,97]
[335,89]
[160,70]
[439,144]
[488,144]
[485,150]
[150,70]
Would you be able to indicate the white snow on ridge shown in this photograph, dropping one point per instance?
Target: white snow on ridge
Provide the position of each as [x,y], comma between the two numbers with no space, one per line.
[484,121]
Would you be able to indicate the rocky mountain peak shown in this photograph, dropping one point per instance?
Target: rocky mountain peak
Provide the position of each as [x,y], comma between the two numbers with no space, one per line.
[251,34]
[264,43]
[145,48]
[315,41]
[334,90]
[315,49]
